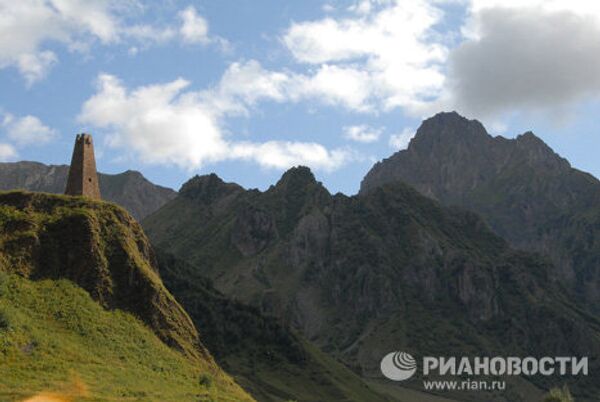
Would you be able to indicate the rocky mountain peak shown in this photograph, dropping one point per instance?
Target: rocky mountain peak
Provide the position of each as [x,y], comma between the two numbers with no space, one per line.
[207,188]
[533,145]
[448,128]
[298,176]
[451,155]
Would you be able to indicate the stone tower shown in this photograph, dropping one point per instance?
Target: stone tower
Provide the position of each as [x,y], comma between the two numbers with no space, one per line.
[83,179]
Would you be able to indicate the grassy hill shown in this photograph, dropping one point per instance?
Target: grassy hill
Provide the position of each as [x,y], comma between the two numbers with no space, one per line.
[82,299]
[54,337]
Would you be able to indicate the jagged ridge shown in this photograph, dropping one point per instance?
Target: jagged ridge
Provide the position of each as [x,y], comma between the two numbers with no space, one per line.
[363,275]
[526,192]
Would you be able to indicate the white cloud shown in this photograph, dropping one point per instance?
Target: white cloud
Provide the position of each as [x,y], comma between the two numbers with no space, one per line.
[166,124]
[7,152]
[401,140]
[284,154]
[194,28]
[388,45]
[35,66]
[27,27]
[246,83]
[362,133]
[510,55]
[148,34]
[334,85]
[27,130]
[20,132]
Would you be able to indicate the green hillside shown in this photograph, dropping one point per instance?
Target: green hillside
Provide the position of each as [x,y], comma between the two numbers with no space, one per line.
[54,336]
[75,273]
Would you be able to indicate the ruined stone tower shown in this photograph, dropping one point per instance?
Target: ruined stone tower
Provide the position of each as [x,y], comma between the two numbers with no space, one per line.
[83,179]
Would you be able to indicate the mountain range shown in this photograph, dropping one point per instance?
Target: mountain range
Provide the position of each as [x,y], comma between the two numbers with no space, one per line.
[365,275]
[129,189]
[463,244]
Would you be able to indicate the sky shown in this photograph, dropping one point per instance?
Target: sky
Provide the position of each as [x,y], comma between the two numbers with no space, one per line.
[250,88]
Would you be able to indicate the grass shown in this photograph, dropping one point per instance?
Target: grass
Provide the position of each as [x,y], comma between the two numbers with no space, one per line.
[54,337]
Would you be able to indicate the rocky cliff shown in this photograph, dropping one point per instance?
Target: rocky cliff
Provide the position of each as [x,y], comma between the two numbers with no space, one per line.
[526,192]
[129,189]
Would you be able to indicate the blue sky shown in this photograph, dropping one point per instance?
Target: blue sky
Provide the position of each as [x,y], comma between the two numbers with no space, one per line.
[248,89]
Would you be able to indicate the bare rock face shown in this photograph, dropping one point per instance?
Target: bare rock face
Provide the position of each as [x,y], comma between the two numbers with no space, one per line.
[254,229]
[528,194]
[129,189]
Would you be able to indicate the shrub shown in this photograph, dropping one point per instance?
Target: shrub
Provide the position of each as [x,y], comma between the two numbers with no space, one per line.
[206,380]
[559,395]
[4,320]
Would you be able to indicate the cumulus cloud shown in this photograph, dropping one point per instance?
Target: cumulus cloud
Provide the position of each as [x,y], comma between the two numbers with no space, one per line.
[167,124]
[7,152]
[401,140]
[388,46]
[35,66]
[194,28]
[509,55]
[27,130]
[22,131]
[362,133]
[250,82]
[285,154]
[520,57]
[27,27]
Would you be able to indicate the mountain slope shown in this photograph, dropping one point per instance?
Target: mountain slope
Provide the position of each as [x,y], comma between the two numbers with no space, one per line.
[54,339]
[363,276]
[102,252]
[129,189]
[527,193]
[266,358]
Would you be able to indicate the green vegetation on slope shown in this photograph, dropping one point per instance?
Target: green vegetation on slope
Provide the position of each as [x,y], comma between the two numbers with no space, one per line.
[559,395]
[76,270]
[266,358]
[362,276]
[101,248]
[53,334]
